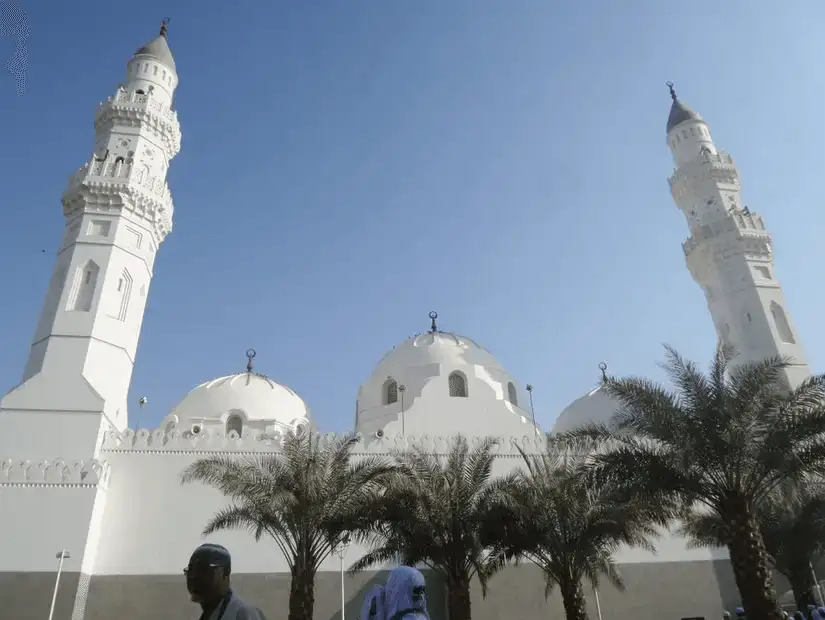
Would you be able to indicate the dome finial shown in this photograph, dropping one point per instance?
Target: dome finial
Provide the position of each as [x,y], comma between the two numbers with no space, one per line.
[433,317]
[250,355]
[603,368]
[164,27]
[672,90]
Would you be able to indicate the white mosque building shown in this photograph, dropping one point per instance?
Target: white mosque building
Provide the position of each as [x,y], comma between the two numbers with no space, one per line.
[75,477]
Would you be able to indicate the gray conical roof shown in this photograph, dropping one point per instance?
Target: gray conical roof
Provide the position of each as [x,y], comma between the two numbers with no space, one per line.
[679,113]
[158,48]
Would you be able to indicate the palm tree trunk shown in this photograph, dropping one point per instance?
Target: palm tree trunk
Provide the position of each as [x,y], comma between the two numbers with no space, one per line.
[802,583]
[458,599]
[750,566]
[572,597]
[302,595]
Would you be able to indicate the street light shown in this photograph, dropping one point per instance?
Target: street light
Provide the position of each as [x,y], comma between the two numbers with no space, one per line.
[61,555]
[402,388]
[341,551]
[598,603]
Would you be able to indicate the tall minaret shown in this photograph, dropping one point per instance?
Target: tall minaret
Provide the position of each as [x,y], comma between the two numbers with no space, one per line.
[729,250]
[118,211]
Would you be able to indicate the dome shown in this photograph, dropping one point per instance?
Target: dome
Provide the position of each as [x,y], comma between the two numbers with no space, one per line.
[594,407]
[679,112]
[441,383]
[158,48]
[436,347]
[256,399]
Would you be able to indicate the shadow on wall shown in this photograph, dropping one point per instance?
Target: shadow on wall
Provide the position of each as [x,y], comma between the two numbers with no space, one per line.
[357,587]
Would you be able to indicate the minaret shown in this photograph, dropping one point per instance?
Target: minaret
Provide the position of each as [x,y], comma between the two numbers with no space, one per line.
[729,250]
[118,210]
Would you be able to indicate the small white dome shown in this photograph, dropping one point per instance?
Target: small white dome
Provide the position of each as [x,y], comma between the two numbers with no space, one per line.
[594,407]
[259,401]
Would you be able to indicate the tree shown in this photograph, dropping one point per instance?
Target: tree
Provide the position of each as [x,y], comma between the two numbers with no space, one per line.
[723,441]
[793,529]
[305,496]
[569,525]
[432,513]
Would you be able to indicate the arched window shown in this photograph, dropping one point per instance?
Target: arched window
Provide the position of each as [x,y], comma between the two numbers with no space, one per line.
[83,287]
[511,393]
[122,296]
[139,92]
[390,391]
[783,326]
[458,385]
[234,423]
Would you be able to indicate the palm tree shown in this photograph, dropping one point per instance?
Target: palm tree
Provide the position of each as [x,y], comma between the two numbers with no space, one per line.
[569,525]
[305,497]
[793,529]
[724,441]
[432,514]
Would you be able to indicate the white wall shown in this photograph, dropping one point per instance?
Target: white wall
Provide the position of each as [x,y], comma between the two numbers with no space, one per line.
[152,523]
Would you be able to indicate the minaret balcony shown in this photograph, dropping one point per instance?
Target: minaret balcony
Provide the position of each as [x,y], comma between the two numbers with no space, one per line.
[98,179]
[133,109]
[739,229]
[717,166]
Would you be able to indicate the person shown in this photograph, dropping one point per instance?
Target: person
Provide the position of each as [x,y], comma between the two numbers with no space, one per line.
[207,580]
[403,597]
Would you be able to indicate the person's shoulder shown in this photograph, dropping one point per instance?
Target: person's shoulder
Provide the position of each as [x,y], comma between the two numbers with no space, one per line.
[249,612]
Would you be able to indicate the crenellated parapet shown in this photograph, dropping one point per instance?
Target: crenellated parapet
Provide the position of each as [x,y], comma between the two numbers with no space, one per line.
[739,232]
[211,441]
[90,474]
[715,167]
[132,109]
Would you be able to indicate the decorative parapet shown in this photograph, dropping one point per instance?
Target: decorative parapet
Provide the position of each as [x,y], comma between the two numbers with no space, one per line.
[104,183]
[741,226]
[161,441]
[54,473]
[125,105]
[718,167]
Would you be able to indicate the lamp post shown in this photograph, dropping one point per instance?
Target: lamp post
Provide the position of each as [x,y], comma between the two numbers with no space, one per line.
[532,409]
[341,551]
[816,581]
[598,603]
[61,555]
[402,388]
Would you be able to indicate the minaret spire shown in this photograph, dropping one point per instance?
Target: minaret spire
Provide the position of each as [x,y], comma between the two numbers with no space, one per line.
[164,27]
[672,91]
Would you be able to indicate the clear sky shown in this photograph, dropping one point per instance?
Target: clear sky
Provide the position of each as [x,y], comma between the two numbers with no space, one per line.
[350,165]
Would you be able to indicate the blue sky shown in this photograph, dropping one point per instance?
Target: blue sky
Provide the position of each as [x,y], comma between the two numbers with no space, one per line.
[348,166]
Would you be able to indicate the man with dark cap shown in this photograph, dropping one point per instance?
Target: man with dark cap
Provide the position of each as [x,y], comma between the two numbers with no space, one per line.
[207,579]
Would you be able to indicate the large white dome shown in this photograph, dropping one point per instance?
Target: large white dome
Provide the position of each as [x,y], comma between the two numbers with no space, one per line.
[431,378]
[436,347]
[257,400]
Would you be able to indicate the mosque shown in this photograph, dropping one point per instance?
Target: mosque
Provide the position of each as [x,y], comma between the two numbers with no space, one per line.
[85,497]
